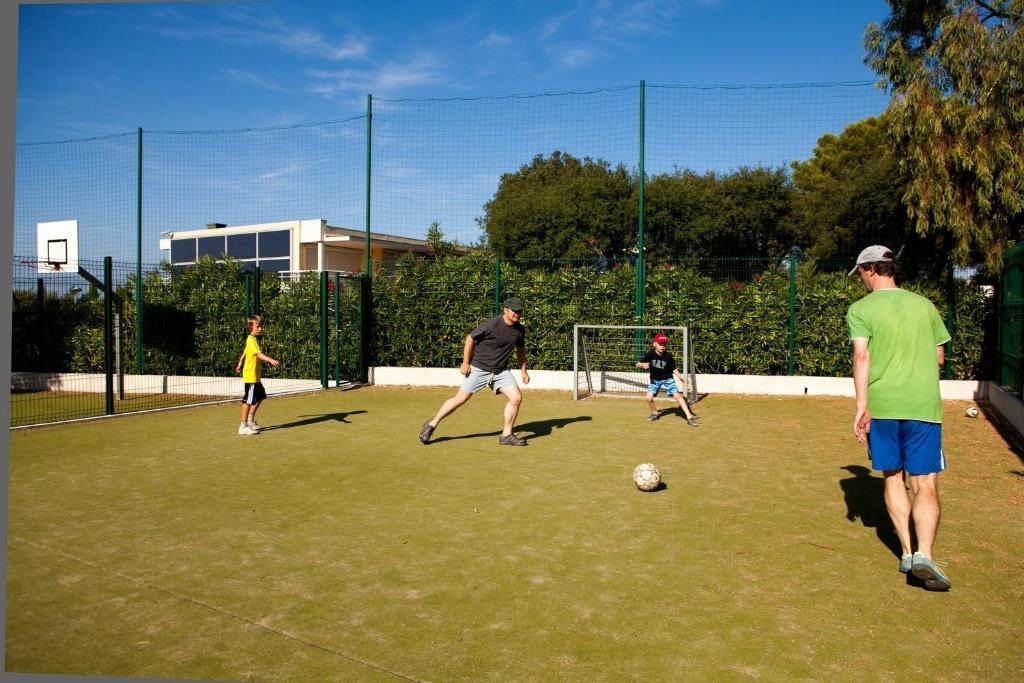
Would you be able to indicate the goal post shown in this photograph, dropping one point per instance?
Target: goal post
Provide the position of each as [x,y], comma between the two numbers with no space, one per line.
[604,359]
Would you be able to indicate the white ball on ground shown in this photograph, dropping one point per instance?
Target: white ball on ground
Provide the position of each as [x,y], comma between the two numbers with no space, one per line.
[647,477]
[971,412]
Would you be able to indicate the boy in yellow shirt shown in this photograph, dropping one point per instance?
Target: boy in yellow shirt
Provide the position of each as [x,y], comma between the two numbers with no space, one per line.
[251,361]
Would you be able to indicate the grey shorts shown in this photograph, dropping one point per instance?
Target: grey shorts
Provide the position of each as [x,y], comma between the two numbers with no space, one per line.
[478,379]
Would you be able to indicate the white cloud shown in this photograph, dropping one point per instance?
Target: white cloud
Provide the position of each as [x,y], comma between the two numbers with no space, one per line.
[249,78]
[240,25]
[571,55]
[495,39]
[390,77]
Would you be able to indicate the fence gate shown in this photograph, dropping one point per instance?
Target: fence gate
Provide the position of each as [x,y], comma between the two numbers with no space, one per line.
[1011,315]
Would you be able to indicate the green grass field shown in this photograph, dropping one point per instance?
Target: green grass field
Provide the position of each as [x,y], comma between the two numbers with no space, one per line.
[334,546]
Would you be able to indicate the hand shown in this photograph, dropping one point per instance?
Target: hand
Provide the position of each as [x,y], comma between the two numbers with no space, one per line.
[862,424]
[526,377]
[275,363]
[464,369]
[238,368]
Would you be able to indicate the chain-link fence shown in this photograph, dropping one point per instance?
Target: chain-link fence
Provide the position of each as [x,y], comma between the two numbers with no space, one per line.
[643,204]
[77,335]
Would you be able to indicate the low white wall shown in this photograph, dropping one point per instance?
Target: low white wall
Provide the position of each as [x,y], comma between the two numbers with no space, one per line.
[712,384]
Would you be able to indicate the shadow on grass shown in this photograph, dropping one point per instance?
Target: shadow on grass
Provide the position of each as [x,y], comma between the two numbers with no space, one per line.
[527,430]
[1007,431]
[315,419]
[865,499]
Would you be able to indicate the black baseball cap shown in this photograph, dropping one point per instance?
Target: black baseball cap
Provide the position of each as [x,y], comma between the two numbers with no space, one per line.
[514,303]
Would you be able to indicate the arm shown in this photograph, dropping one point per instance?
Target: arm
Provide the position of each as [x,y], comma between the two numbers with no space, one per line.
[467,355]
[940,351]
[267,359]
[241,359]
[645,366]
[521,355]
[861,363]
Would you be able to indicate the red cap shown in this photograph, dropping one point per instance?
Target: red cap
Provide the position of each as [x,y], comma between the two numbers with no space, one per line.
[661,338]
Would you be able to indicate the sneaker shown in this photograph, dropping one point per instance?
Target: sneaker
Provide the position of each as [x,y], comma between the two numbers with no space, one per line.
[653,416]
[425,433]
[246,430]
[693,421]
[255,426]
[906,562]
[926,570]
[511,440]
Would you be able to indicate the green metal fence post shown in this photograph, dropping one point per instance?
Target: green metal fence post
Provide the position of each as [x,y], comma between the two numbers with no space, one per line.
[497,285]
[108,332]
[337,329]
[323,329]
[365,327]
[366,285]
[257,304]
[947,367]
[247,278]
[792,315]
[138,263]
[641,274]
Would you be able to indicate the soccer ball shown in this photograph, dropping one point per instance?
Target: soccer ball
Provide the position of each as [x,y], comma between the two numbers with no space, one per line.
[971,412]
[647,476]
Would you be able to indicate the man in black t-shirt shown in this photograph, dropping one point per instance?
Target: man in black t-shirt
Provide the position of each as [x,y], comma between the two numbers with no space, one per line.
[663,376]
[485,362]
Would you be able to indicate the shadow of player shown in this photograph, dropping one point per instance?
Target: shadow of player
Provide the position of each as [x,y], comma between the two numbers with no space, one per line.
[527,430]
[315,419]
[864,495]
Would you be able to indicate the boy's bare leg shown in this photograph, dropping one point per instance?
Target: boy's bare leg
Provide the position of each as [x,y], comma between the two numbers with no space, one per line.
[685,406]
[450,406]
[245,412]
[515,399]
[650,403]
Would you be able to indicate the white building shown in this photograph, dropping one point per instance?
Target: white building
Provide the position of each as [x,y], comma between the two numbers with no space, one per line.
[286,246]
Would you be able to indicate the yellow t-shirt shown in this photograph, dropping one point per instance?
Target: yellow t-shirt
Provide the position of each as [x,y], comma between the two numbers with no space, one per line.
[251,371]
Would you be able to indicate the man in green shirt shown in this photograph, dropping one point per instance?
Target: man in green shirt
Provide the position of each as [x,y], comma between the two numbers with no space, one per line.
[898,340]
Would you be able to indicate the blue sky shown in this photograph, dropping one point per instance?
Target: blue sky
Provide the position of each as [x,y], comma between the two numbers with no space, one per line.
[96,69]
[444,128]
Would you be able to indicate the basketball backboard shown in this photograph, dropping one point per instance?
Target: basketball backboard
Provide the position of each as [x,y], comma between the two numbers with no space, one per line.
[57,246]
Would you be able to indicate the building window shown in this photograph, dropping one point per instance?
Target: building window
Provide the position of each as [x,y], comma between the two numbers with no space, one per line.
[211,246]
[242,246]
[275,244]
[183,251]
[275,265]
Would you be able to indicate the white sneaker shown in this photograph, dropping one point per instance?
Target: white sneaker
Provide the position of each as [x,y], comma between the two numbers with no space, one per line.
[255,426]
[246,430]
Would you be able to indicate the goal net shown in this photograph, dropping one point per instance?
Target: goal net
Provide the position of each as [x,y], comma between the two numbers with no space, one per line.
[604,359]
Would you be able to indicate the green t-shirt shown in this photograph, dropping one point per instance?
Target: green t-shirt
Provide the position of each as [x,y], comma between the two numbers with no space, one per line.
[902,329]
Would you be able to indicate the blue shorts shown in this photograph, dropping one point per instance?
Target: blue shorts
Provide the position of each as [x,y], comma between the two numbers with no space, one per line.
[910,445]
[669,385]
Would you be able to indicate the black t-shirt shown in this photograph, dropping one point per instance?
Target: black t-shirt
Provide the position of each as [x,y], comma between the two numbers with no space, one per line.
[661,365]
[494,341]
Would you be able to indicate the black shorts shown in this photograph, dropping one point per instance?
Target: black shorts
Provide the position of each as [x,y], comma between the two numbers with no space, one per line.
[254,393]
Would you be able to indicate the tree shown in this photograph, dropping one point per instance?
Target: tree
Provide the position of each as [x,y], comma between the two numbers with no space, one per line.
[956,72]
[561,207]
[438,244]
[743,213]
[849,193]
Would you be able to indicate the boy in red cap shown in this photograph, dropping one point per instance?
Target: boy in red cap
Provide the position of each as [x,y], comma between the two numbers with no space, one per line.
[663,376]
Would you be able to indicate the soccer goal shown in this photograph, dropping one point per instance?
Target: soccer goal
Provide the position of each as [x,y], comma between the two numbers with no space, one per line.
[604,359]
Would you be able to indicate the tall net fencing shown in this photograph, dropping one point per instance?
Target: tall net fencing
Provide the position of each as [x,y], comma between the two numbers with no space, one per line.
[487,179]
[77,335]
